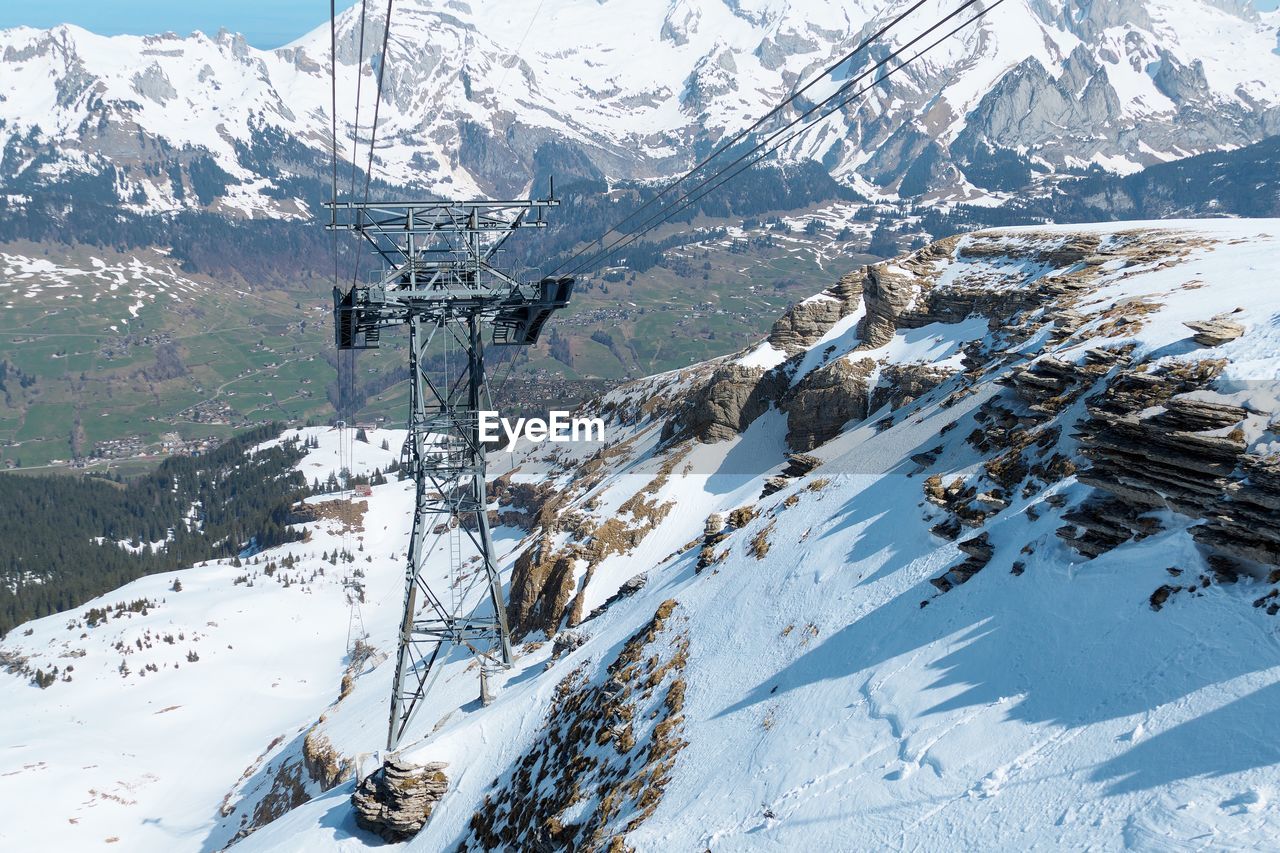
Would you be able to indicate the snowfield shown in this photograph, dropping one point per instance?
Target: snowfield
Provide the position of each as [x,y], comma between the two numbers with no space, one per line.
[832,697]
[631,87]
[125,287]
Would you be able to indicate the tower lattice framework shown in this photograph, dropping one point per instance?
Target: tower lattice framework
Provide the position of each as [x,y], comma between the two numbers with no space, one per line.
[437,277]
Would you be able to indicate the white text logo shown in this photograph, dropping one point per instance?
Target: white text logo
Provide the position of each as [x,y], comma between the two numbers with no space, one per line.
[560,426]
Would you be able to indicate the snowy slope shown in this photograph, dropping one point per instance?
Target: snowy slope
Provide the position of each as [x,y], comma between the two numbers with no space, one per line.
[126,285]
[106,756]
[172,122]
[834,699]
[829,694]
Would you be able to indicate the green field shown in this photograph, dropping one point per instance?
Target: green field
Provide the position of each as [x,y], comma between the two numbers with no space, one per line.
[83,364]
[93,353]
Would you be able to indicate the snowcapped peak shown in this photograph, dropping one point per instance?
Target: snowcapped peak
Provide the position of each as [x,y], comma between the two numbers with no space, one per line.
[635,87]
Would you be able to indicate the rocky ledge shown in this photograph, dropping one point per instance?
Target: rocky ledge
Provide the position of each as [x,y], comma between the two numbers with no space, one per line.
[397,799]
[907,293]
[1156,445]
[807,321]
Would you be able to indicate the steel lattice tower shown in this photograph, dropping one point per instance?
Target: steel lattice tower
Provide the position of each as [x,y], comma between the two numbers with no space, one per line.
[437,278]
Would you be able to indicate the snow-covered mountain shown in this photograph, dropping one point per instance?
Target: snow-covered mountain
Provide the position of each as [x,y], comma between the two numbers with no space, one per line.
[975,551]
[481,95]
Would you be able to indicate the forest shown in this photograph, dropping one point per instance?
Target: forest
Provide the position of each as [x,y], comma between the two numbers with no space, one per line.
[65,540]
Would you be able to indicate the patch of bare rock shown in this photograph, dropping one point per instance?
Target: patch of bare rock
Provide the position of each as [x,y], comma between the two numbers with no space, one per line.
[397,799]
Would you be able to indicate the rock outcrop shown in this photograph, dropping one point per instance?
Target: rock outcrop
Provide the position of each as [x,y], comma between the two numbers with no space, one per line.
[628,589]
[1102,522]
[825,400]
[805,322]
[902,384]
[548,582]
[904,294]
[1155,446]
[798,464]
[730,401]
[979,551]
[1215,332]
[542,584]
[397,799]
[1049,384]
[907,293]
[890,292]
[1244,524]
[1152,459]
[599,767]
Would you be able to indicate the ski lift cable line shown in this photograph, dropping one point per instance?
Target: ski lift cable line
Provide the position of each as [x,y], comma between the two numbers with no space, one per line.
[355,151]
[343,393]
[520,45]
[769,145]
[737,137]
[377,103]
[333,130]
[355,132]
[333,125]
[346,385]
[712,182]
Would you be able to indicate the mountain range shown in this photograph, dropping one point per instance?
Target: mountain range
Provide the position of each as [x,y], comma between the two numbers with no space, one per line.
[487,97]
[927,517]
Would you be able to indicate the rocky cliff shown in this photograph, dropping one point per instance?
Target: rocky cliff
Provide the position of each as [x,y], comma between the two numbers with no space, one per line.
[1155,434]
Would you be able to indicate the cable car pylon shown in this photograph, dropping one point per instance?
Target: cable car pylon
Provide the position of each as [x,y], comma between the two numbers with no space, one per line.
[437,276]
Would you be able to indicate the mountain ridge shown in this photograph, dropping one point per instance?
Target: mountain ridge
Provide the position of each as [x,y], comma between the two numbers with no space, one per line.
[204,122]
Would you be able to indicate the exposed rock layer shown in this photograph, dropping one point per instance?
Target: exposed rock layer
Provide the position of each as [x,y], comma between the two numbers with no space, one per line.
[806,322]
[600,766]
[396,800]
[1153,449]
[824,401]
[730,401]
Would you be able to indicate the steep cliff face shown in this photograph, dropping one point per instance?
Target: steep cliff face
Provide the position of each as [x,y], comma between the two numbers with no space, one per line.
[622,738]
[731,399]
[823,377]
[1158,438]
[824,400]
[1163,440]
[805,322]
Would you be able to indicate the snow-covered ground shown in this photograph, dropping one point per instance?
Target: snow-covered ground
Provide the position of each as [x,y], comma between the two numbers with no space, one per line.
[124,287]
[146,758]
[832,697]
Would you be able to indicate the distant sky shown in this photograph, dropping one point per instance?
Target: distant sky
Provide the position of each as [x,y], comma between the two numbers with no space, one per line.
[265,23]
